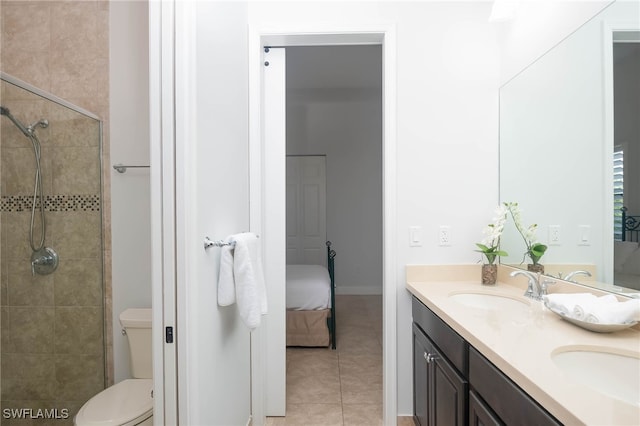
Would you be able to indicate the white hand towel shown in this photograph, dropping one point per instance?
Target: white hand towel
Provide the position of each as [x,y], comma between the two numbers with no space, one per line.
[583,309]
[615,313]
[566,302]
[226,281]
[249,277]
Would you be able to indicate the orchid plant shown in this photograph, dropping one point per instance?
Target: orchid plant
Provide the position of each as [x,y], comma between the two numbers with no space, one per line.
[490,245]
[535,250]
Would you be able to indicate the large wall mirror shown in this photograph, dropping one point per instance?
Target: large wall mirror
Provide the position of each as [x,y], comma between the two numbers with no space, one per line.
[569,131]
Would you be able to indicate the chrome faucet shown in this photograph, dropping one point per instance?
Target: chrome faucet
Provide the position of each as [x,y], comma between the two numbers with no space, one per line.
[570,275]
[536,287]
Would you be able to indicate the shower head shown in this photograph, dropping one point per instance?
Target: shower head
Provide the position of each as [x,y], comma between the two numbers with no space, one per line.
[27,131]
[42,123]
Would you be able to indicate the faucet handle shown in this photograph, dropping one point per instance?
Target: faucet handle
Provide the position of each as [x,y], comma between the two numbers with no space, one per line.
[544,286]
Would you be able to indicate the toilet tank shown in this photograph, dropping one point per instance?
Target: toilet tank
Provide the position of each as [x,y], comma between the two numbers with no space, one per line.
[137,325]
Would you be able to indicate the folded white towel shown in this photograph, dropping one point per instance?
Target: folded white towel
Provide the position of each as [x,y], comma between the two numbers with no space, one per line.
[565,302]
[226,282]
[614,313]
[250,287]
[584,308]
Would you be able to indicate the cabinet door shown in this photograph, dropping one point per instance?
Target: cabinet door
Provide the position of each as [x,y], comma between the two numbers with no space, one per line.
[439,392]
[480,414]
[449,393]
[421,349]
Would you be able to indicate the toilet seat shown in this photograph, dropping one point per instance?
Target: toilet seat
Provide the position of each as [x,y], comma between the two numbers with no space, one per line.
[126,403]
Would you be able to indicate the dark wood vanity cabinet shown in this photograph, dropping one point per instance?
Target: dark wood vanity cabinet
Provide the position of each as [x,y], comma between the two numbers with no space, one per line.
[509,403]
[439,389]
[454,384]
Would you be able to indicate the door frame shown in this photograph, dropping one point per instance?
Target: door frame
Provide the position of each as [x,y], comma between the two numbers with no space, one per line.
[608,38]
[383,34]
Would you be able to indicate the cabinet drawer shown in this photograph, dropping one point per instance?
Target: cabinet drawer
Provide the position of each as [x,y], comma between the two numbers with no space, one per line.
[508,401]
[450,343]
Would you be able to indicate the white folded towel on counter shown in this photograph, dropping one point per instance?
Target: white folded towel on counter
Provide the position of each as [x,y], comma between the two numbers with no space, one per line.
[598,310]
[583,308]
[614,313]
[566,302]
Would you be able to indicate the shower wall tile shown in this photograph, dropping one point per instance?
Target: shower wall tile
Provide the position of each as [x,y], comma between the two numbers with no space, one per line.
[27,27]
[18,171]
[75,171]
[3,281]
[78,283]
[28,376]
[73,131]
[78,377]
[74,36]
[26,289]
[76,235]
[4,328]
[15,236]
[31,331]
[23,62]
[108,323]
[79,330]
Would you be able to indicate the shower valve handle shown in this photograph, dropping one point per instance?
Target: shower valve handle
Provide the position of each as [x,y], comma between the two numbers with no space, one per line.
[44,261]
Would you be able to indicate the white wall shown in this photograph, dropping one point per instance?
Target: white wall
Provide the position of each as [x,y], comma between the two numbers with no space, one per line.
[330,113]
[537,27]
[447,116]
[130,192]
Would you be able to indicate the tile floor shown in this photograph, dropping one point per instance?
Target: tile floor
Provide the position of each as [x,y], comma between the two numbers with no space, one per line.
[341,387]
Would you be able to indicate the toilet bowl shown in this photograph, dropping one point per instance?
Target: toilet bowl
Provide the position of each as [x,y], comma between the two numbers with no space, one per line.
[129,402]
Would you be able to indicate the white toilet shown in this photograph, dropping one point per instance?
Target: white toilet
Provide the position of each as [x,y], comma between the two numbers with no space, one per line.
[129,402]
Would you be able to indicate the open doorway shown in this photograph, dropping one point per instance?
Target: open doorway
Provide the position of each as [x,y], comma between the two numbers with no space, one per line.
[267,184]
[334,113]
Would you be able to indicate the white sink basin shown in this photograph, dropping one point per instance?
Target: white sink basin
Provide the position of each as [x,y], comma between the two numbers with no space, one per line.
[489,301]
[616,375]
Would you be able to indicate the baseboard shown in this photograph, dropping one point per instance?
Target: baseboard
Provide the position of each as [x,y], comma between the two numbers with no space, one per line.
[359,291]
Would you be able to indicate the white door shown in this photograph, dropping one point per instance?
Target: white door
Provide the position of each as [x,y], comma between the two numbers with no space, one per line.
[306,210]
[273,226]
[200,178]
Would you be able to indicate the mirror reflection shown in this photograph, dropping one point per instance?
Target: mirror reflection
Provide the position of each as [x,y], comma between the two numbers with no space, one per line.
[569,153]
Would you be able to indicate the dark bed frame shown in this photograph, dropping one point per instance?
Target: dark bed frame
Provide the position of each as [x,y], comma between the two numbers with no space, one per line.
[331,321]
[630,226]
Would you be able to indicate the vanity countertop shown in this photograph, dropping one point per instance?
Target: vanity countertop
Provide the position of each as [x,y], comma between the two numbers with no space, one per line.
[520,342]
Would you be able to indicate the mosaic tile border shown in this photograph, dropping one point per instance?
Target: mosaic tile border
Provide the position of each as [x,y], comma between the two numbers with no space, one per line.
[52,203]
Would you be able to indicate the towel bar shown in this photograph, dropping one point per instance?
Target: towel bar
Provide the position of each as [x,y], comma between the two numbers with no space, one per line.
[121,168]
[210,243]
[219,243]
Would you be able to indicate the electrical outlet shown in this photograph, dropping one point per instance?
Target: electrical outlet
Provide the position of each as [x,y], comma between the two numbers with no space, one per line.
[555,235]
[444,235]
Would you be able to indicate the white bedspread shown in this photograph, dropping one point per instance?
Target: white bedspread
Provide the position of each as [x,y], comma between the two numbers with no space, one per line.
[308,287]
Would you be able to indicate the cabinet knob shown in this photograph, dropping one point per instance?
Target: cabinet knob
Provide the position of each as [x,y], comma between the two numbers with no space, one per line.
[430,357]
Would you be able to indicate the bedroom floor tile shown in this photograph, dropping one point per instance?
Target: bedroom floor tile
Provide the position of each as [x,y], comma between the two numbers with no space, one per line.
[312,362]
[312,389]
[362,414]
[341,387]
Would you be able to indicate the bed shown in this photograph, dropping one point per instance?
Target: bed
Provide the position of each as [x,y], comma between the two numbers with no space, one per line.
[627,253]
[311,316]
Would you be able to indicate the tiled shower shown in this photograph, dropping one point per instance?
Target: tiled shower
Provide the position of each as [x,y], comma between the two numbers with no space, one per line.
[55,345]
[52,349]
